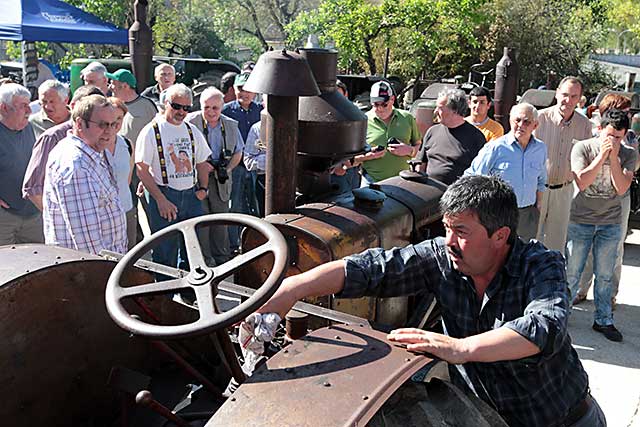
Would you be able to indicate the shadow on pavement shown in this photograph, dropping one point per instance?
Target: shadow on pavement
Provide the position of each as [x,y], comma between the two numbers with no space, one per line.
[592,345]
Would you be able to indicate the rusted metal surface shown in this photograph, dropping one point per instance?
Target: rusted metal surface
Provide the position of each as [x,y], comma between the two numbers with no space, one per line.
[141,45]
[346,372]
[282,73]
[280,124]
[58,342]
[296,324]
[507,79]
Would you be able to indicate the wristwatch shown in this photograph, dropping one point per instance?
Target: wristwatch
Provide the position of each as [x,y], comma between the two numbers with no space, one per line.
[206,190]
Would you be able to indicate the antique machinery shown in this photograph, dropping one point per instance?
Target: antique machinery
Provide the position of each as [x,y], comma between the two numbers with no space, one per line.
[507,77]
[141,44]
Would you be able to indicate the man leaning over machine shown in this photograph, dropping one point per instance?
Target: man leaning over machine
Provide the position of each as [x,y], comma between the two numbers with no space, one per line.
[504,306]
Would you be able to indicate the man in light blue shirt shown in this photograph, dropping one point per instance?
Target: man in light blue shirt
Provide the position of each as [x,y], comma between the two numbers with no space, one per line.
[519,159]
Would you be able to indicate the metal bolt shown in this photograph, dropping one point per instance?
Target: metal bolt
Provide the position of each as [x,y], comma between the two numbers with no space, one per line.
[35,252]
[365,397]
[233,399]
[286,351]
[407,360]
[337,337]
[326,384]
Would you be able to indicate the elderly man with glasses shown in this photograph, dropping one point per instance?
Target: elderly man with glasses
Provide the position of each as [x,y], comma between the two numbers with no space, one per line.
[392,135]
[171,160]
[81,206]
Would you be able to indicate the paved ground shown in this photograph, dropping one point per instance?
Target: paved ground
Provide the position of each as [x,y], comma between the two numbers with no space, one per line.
[614,368]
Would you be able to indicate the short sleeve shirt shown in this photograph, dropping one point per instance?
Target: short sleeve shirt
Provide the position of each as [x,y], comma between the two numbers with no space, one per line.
[402,127]
[177,153]
[490,129]
[141,111]
[599,203]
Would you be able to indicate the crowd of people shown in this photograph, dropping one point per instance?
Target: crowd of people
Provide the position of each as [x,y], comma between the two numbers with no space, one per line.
[74,169]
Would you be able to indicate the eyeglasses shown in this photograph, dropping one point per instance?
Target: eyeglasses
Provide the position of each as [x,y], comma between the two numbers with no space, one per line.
[177,106]
[104,125]
[381,104]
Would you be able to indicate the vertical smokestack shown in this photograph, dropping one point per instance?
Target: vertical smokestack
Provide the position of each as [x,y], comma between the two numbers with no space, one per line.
[141,45]
[507,76]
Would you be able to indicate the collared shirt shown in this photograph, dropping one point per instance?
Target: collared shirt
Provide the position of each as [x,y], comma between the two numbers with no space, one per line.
[528,295]
[81,206]
[255,152]
[245,118]
[403,127]
[228,142]
[523,169]
[33,183]
[41,122]
[560,136]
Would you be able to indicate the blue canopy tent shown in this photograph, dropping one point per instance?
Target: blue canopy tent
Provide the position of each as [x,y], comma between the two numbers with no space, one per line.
[55,21]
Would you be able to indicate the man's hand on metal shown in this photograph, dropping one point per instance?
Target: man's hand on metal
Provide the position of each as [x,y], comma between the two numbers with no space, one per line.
[452,350]
[167,210]
[4,204]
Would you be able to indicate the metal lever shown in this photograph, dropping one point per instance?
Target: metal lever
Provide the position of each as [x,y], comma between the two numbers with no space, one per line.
[145,398]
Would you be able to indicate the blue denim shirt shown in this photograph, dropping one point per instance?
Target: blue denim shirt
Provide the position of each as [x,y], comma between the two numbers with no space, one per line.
[528,295]
[245,118]
[524,170]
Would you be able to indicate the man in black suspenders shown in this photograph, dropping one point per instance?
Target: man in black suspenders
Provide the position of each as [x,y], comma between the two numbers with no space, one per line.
[225,141]
[176,183]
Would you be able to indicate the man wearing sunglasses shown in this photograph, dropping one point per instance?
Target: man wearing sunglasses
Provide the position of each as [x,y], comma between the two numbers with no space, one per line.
[81,206]
[392,134]
[176,192]
[519,159]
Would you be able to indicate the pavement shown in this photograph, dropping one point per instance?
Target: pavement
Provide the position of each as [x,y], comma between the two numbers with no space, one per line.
[614,368]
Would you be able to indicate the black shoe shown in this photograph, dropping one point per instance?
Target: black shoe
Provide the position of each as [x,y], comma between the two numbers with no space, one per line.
[609,331]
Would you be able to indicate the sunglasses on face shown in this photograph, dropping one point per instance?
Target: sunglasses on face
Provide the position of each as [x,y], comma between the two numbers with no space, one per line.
[381,104]
[177,106]
[105,125]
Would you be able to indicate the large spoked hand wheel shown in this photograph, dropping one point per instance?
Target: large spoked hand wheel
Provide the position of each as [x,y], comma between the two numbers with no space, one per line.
[201,279]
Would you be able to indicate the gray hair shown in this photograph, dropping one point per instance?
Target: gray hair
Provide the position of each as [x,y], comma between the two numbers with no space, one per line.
[93,67]
[61,88]
[489,197]
[211,92]
[456,100]
[161,67]
[10,90]
[179,89]
[529,110]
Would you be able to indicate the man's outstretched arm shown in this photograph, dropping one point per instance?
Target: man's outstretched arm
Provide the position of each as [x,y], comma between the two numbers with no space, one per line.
[491,346]
[326,279]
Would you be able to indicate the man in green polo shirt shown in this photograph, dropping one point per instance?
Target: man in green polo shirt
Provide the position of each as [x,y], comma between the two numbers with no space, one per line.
[386,122]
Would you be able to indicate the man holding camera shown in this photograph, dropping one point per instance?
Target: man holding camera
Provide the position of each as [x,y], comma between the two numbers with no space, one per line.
[224,139]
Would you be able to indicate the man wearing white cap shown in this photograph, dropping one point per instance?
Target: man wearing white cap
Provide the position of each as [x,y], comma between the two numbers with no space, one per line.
[392,134]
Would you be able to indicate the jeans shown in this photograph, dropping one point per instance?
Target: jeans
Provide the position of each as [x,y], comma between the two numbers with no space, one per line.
[603,239]
[593,418]
[171,251]
[243,200]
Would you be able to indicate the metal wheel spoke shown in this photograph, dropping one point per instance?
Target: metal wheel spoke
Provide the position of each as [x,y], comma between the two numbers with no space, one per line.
[153,288]
[192,244]
[206,301]
[231,266]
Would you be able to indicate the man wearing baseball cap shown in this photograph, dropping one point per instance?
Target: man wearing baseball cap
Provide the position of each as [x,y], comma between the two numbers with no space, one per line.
[392,134]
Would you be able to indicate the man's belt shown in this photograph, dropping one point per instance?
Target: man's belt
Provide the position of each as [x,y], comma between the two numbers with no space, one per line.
[577,412]
[556,186]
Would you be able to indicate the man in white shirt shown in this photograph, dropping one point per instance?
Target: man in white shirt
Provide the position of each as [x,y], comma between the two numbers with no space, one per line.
[171,161]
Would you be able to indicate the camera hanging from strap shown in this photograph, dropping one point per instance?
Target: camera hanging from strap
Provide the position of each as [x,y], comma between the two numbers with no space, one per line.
[205,131]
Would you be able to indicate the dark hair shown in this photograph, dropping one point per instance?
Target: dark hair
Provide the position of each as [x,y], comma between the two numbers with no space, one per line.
[574,80]
[86,90]
[480,91]
[226,82]
[489,197]
[619,120]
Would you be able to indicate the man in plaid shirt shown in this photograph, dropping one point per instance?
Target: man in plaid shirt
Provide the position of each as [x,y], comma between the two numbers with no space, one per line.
[504,306]
[81,208]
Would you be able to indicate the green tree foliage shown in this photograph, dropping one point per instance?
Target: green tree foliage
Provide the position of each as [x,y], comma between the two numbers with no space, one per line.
[424,35]
[552,37]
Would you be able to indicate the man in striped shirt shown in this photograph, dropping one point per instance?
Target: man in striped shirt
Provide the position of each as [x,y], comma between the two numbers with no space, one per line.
[560,127]
[81,207]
